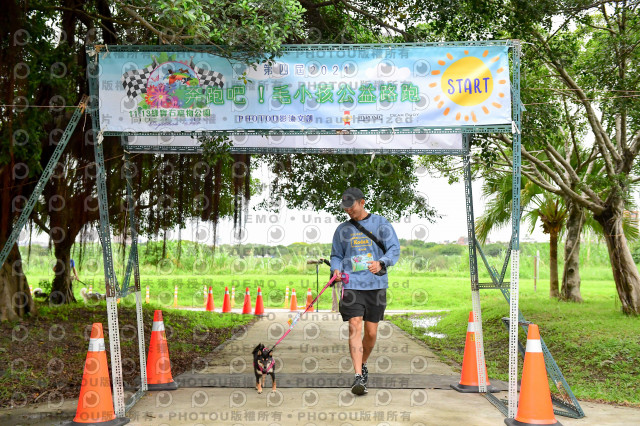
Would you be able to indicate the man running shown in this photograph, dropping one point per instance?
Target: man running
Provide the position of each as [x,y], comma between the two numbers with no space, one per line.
[363,247]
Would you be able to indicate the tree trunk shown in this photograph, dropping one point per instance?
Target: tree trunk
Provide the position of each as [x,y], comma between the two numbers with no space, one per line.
[625,271]
[62,287]
[15,297]
[553,264]
[571,273]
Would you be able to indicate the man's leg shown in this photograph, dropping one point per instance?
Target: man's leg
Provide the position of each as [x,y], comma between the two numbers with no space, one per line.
[355,343]
[369,339]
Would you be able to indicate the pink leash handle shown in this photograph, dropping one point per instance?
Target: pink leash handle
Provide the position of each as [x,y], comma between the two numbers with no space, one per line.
[345,279]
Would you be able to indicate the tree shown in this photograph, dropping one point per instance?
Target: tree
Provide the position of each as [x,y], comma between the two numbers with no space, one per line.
[29,37]
[316,182]
[20,136]
[597,64]
[552,215]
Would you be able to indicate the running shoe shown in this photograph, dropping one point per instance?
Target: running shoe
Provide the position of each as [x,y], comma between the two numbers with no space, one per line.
[358,387]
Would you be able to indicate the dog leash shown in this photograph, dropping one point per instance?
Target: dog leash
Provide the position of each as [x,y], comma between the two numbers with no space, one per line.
[345,280]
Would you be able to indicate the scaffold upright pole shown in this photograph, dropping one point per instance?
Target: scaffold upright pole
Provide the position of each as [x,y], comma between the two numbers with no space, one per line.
[515,234]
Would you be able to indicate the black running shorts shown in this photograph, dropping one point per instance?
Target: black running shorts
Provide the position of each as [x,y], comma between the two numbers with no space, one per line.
[368,304]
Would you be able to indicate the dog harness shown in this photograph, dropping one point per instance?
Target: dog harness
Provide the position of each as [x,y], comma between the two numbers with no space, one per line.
[269,367]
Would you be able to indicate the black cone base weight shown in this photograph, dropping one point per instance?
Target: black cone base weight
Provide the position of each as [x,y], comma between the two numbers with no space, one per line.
[472,389]
[514,422]
[118,421]
[162,386]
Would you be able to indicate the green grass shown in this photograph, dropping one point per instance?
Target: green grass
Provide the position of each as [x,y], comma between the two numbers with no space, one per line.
[198,260]
[430,291]
[405,292]
[596,347]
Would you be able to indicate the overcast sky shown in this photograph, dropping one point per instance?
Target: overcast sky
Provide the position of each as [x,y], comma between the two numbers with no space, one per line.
[290,226]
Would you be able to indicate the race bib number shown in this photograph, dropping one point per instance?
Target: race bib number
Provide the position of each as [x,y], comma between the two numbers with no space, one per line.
[359,262]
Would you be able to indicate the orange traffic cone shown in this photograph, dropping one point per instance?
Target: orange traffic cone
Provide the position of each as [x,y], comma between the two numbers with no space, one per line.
[309,298]
[294,301]
[175,297]
[158,365]
[246,309]
[469,378]
[286,298]
[226,303]
[95,405]
[259,304]
[534,405]
[210,305]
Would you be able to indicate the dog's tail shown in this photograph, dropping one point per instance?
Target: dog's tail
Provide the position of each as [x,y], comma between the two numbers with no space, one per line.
[83,293]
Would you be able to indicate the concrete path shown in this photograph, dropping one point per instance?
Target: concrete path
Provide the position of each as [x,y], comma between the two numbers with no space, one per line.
[317,346]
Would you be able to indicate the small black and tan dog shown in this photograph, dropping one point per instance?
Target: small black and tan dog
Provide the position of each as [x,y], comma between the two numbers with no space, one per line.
[263,364]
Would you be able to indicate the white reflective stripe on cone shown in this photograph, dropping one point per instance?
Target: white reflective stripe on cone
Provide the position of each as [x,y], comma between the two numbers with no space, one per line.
[471,327]
[534,346]
[96,345]
[157,326]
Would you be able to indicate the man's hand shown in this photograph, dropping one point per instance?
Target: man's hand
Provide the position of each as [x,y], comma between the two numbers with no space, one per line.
[337,275]
[374,266]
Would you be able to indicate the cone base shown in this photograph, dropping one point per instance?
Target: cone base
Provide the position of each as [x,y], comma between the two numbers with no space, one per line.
[115,422]
[514,422]
[472,389]
[162,386]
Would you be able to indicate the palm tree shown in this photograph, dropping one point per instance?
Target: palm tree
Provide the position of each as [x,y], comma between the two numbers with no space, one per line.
[552,214]
[536,204]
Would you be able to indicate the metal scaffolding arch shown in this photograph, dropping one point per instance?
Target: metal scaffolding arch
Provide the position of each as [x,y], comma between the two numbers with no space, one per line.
[115,291]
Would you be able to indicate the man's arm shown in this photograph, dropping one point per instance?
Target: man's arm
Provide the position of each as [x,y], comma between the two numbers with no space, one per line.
[391,243]
[337,254]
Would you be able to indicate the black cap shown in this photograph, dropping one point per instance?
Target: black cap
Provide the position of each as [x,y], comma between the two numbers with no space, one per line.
[350,196]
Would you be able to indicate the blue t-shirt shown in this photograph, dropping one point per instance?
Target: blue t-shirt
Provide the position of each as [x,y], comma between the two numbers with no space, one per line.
[72,263]
[352,249]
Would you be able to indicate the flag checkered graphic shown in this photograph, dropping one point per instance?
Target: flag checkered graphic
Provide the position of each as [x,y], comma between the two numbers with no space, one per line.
[135,81]
[209,78]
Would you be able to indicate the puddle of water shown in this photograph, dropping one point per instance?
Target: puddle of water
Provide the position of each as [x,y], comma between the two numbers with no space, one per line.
[428,322]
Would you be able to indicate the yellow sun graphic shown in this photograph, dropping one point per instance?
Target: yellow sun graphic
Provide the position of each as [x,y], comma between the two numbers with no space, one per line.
[468,82]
